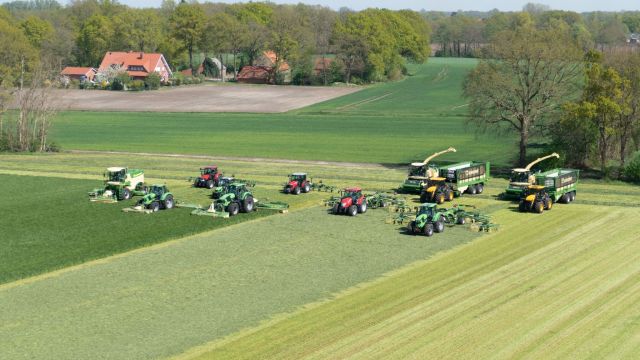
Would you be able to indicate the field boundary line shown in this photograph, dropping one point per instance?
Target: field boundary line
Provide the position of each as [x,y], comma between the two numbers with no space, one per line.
[111,258]
[365,101]
[212,345]
[237,158]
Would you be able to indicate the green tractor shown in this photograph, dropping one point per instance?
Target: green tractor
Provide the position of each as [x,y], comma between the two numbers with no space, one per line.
[157,198]
[535,198]
[120,184]
[223,184]
[429,219]
[236,198]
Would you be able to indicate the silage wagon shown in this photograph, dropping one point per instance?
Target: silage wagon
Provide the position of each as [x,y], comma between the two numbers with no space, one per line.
[561,184]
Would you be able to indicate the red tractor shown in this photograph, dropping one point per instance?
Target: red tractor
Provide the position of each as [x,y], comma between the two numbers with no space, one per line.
[208,178]
[351,202]
[297,183]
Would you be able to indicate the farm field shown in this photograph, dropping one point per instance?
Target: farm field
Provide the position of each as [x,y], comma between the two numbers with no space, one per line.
[84,280]
[385,123]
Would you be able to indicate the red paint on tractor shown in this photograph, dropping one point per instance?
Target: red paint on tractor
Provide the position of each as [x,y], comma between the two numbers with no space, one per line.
[205,177]
[293,184]
[346,202]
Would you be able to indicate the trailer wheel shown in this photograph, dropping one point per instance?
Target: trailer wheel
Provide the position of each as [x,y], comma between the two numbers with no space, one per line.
[538,207]
[428,229]
[168,202]
[352,210]
[440,198]
[210,184]
[479,188]
[362,208]
[460,220]
[573,195]
[247,204]
[564,199]
[306,188]
[471,190]
[296,190]
[439,226]
[232,209]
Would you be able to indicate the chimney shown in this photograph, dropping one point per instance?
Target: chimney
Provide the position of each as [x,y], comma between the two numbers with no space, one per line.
[141,55]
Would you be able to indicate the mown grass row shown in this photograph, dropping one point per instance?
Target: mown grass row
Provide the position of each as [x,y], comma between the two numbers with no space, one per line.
[560,285]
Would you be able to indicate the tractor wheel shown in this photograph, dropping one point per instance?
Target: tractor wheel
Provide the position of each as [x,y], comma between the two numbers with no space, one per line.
[412,226]
[233,209]
[210,184]
[460,220]
[424,198]
[440,198]
[383,204]
[154,206]
[168,202]
[247,204]
[450,195]
[196,182]
[439,226]
[306,188]
[538,207]
[472,190]
[548,204]
[296,190]
[428,229]
[362,208]
[336,209]
[479,188]
[352,210]
[522,206]
[125,194]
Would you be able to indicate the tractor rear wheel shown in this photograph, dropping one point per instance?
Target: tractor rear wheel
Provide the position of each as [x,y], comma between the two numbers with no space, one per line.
[428,229]
[233,209]
[472,189]
[154,206]
[440,198]
[125,194]
[439,226]
[424,198]
[449,195]
[479,188]
[247,204]
[296,190]
[210,184]
[352,210]
[306,188]
[412,226]
[538,207]
[336,208]
[168,202]
[362,208]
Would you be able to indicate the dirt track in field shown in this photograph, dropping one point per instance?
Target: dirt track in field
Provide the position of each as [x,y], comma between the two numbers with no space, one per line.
[203,98]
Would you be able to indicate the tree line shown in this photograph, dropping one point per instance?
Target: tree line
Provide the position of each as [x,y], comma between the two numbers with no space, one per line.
[541,80]
[370,45]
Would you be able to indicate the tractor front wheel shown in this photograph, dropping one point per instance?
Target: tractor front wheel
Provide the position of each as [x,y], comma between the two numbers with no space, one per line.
[538,207]
[168,202]
[233,209]
[362,208]
[154,206]
[450,195]
[522,206]
[424,198]
[440,198]
[125,194]
[210,184]
[548,204]
[247,204]
[296,190]
[412,226]
[353,210]
[428,229]
[336,209]
[439,226]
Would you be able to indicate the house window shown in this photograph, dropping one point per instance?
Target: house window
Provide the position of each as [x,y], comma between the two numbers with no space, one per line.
[135,68]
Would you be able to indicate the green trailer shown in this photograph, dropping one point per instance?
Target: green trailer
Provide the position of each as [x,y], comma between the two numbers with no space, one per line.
[561,184]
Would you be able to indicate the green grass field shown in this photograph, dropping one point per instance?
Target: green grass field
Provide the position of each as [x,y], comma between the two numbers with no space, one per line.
[85,280]
[386,123]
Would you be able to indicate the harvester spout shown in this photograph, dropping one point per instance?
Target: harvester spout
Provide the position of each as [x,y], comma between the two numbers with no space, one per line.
[426,161]
[528,167]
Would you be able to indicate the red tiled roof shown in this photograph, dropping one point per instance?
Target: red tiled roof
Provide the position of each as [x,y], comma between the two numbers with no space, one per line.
[319,66]
[127,59]
[254,72]
[271,56]
[71,70]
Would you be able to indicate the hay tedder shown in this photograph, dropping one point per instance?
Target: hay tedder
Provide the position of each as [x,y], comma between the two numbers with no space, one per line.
[120,183]
[428,218]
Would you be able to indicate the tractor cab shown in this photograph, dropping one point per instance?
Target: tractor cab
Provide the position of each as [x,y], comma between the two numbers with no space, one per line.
[298,177]
[116,174]
[297,183]
[426,209]
[237,189]
[520,177]
[225,180]
[354,193]
[158,190]
[420,170]
[209,170]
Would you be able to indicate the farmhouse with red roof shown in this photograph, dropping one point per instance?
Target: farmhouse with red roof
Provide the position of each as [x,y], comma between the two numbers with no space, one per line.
[261,73]
[137,64]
